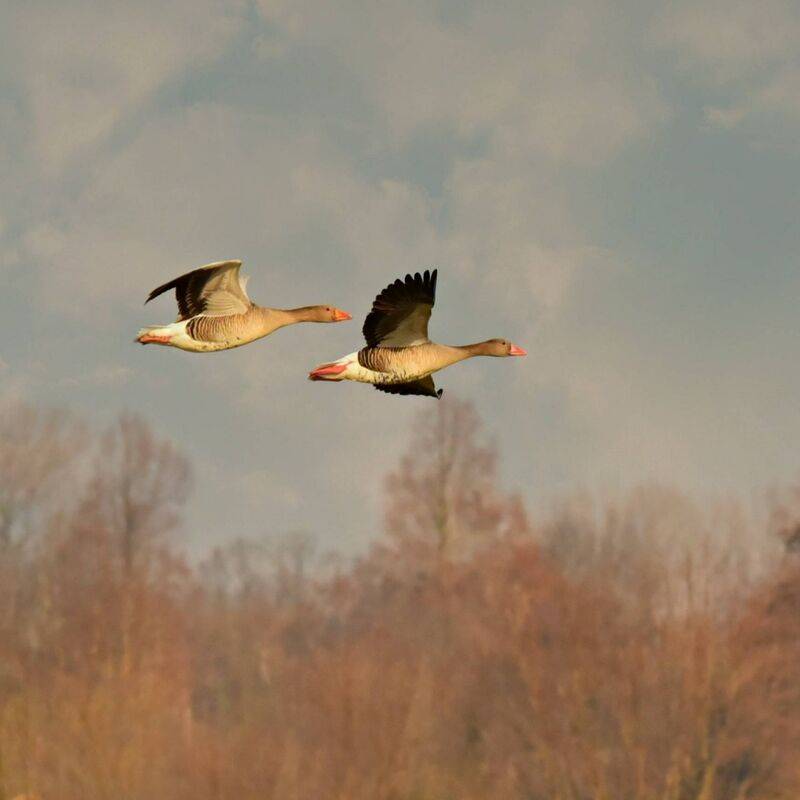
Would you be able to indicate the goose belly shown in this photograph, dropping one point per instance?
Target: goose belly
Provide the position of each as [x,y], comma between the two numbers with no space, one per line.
[194,346]
[209,334]
[370,365]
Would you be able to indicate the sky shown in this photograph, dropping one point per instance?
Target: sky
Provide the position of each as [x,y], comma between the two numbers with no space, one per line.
[611,185]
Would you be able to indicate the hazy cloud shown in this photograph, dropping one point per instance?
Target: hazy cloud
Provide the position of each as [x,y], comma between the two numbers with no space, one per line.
[733,39]
[744,49]
[82,70]
[530,151]
[533,78]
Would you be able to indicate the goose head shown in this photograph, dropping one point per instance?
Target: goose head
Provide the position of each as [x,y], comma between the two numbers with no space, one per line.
[327,314]
[500,348]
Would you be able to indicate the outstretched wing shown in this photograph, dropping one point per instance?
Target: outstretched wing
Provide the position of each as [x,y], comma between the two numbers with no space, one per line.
[400,313]
[215,290]
[425,386]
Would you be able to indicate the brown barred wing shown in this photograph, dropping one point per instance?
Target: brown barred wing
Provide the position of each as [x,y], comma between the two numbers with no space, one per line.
[424,387]
[400,313]
[212,329]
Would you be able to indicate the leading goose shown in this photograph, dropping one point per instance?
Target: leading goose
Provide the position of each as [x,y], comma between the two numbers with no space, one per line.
[215,312]
[399,358]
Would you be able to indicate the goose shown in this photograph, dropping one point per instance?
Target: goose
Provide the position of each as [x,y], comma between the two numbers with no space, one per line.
[215,312]
[399,358]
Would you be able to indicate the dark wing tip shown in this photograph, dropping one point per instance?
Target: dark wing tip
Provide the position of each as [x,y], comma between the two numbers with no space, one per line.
[411,289]
[159,290]
[421,388]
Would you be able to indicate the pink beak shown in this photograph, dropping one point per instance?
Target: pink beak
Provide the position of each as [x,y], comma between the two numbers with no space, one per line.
[517,351]
[341,316]
[319,373]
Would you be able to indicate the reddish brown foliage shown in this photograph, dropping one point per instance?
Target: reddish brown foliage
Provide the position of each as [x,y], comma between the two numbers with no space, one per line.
[616,651]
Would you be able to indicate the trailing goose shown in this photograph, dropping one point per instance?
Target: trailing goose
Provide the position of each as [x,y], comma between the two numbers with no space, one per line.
[215,312]
[399,358]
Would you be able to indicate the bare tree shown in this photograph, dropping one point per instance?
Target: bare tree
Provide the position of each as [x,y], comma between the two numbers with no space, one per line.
[141,484]
[592,662]
[38,448]
[785,517]
[293,560]
[663,551]
[445,493]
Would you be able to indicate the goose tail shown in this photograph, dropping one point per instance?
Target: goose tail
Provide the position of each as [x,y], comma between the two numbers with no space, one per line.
[154,334]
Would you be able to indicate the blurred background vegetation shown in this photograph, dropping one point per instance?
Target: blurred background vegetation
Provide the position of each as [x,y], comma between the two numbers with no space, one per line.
[639,646]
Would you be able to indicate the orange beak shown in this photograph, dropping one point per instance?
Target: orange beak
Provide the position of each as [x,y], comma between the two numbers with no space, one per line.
[517,351]
[340,316]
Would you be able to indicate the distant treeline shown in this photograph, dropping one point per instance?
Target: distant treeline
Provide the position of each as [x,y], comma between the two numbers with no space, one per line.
[634,648]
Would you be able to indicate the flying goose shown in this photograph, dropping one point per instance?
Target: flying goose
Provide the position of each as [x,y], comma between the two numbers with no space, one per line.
[399,358]
[215,312]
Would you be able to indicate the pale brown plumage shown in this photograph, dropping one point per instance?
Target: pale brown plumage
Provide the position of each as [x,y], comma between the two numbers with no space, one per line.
[215,313]
[399,357]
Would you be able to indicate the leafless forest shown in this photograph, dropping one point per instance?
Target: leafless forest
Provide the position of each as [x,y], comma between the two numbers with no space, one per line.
[638,647]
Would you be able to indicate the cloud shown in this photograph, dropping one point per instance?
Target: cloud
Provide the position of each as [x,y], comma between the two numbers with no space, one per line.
[82,69]
[110,375]
[728,118]
[343,145]
[535,78]
[211,183]
[543,86]
[192,184]
[723,41]
[779,95]
[746,50]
